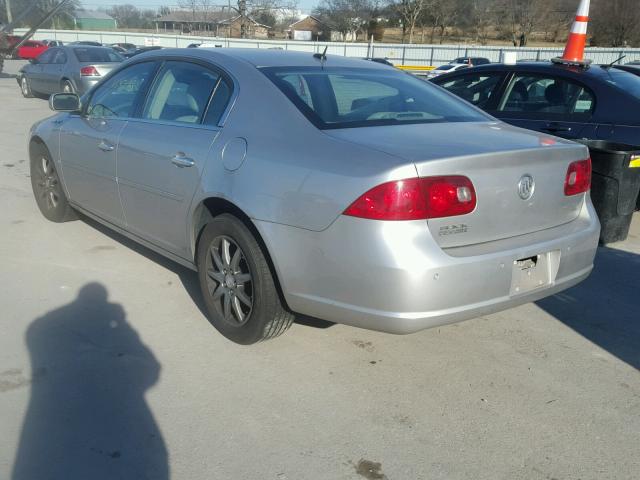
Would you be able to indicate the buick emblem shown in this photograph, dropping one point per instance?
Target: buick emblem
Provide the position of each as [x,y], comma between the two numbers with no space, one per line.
[526,185]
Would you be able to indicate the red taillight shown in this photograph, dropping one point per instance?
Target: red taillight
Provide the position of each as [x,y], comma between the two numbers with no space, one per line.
[89,71]
[578,179]
[416,199]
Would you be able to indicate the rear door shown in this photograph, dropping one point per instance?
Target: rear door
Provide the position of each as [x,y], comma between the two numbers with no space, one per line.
[547,103]
[89,142]
[162,154]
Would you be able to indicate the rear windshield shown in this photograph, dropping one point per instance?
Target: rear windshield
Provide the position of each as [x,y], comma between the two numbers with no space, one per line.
[359,97]
[97,55]
[626,81]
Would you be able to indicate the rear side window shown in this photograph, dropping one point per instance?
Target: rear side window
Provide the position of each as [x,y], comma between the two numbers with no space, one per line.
[181,93]
[476,89]
[333,97]
[626,81]
[218,103]
[97,55]
[535,94]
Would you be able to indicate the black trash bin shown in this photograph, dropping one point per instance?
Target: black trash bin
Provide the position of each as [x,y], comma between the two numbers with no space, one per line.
[615,185]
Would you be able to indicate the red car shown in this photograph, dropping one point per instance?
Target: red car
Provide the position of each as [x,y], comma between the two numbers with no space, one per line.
[31,49]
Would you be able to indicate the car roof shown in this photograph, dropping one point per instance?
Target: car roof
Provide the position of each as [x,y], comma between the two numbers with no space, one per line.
[76,46]
[592,71]
[271,58]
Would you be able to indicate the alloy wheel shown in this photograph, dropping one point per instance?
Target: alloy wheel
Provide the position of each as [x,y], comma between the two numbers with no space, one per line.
[229,280]
[25,86]
[48,184]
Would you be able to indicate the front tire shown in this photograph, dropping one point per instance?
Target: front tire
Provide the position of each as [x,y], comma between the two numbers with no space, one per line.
[25,87]
[47,189]
[237,284]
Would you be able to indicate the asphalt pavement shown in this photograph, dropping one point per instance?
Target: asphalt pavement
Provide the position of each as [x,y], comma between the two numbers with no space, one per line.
[107,364]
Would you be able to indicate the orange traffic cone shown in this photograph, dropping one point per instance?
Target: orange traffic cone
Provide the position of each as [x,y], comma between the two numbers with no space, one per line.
[574,51]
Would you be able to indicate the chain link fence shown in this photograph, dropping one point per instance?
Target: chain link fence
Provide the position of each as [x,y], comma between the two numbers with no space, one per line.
[399,54]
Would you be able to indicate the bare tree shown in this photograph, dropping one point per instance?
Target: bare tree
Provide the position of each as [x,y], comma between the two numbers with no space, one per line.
[409,12]
[348,17]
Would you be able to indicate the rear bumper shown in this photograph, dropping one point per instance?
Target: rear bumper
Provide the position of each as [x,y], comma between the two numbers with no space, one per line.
[393,277]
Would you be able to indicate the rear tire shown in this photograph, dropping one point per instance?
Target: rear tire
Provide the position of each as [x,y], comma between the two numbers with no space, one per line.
[67,87]
[47,189]
[25,87]
[237,284]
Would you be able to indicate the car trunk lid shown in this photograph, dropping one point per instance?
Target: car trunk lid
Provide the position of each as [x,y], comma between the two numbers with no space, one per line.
[499,160]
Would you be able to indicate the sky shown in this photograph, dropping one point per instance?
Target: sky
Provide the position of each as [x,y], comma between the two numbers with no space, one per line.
[305,5]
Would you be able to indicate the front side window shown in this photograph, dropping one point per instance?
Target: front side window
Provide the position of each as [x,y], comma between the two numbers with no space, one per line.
[358,97]
[118,97]
[474,88]
[60,57]
[547,95]
[181,93]
[46,56]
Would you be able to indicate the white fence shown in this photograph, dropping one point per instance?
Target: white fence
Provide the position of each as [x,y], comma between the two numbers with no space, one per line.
[399,54]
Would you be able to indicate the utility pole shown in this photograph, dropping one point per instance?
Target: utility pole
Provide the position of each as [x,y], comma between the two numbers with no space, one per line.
[9,16]
[242,9]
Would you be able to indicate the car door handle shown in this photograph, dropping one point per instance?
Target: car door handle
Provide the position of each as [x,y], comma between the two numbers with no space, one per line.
[106,146]
[181,160]
[554,127]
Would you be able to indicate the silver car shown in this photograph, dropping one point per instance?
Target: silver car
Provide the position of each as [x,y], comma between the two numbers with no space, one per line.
[331,187]
[71,69]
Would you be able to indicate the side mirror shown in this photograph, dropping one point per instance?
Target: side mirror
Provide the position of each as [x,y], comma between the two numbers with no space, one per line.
[64,102]
[33,60]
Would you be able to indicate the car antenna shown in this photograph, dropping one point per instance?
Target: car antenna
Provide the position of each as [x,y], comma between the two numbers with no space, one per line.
[322,56]
[606,67]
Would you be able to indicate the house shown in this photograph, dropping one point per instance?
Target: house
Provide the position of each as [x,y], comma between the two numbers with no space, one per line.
[309,28]
[182,21]
[253,29]
[93,20]
[218,23]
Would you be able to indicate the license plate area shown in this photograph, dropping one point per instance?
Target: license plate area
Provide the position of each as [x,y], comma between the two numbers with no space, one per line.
[531,273]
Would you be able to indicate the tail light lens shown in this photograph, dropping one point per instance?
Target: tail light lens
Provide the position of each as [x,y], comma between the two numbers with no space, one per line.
[89,71]
[416,199]
[578,178]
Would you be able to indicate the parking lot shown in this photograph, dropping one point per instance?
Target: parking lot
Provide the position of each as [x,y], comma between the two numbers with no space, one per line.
[105,340]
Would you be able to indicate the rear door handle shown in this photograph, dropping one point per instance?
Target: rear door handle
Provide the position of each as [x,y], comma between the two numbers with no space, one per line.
[106,146]
[181,160]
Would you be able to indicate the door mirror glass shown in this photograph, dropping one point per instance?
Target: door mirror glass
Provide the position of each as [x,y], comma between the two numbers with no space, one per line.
[64,102]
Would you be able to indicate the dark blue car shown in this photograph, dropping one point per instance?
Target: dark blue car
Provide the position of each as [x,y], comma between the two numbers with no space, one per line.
[596,102]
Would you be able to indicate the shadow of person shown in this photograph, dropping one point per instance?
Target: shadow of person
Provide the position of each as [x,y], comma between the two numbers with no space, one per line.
[87,416]
[604,308]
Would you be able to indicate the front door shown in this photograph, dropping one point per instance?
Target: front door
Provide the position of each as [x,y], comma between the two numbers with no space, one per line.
[36,71]
[161,156]
[52,72]
[547,104]
[89,142]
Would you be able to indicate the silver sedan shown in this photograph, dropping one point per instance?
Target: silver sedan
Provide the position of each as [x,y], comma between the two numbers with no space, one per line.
[331,187]
[71,69]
